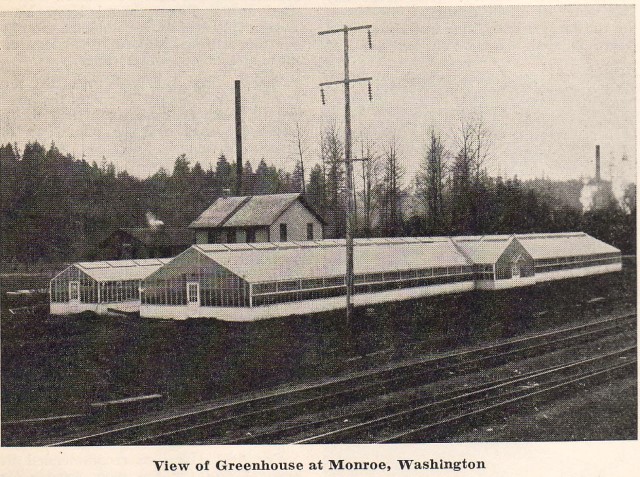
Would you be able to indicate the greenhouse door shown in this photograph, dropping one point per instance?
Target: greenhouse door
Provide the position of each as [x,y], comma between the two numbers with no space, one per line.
[74,292]
[193,294]
[515,270]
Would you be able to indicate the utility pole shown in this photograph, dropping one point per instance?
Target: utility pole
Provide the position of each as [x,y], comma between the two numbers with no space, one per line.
[347,152]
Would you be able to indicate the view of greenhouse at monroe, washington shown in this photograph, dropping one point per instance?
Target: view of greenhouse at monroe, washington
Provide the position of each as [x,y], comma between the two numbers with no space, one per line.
[223,280]
[318,226]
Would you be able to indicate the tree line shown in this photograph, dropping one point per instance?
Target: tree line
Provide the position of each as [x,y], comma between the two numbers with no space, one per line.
[55,207]
[453,194]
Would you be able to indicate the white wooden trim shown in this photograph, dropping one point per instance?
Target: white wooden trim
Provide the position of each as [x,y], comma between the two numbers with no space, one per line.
[195,303]
[71,283]
[578,272]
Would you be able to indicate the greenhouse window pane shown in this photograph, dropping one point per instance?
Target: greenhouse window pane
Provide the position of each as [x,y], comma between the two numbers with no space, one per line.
[312,283]
[288,285]
[334,281]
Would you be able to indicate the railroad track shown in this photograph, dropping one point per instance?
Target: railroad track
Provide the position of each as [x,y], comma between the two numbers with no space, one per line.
[438,415]
[225,419]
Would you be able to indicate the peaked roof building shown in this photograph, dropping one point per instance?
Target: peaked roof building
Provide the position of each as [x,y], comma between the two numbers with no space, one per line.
[258,218]
[248,211]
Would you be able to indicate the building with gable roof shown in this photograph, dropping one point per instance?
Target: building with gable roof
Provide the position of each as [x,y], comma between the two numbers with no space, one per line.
[145,242]
[246,282]
[258,218]
[500,261]
[100,286]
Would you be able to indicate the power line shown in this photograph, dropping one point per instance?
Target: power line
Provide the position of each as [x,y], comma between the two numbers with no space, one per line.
[347,150]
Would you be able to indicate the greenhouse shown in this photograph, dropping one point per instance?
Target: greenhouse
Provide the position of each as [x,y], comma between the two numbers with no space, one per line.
[100,286]
[252,281]
[568,255]
[500,261]
[245,282]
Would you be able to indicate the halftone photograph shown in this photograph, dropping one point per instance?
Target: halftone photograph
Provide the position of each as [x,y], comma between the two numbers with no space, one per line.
[318,226]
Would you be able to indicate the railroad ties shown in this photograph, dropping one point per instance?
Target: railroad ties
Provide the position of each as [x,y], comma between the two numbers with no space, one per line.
[412,401]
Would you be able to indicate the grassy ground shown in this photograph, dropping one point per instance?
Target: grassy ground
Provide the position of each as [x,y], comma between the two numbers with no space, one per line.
[55,365]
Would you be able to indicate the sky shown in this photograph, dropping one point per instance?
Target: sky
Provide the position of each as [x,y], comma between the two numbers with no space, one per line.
[142,87]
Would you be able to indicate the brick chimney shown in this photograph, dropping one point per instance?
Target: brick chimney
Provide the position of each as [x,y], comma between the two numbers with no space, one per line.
[238,190]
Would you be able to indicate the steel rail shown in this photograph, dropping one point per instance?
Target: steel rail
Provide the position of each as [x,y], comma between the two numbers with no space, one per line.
[349,392]
[327,385]
[386,419]
[497,405]
[399,406]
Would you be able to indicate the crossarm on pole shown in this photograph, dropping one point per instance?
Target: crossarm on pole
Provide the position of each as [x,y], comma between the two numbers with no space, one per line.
[341,30]
[328,83]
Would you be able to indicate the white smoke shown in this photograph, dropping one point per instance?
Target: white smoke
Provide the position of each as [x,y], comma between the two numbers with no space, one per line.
[587,194]
[153,221]
[618,186]
[621,177]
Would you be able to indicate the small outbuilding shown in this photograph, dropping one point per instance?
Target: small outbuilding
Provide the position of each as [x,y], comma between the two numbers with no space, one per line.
[100,286]
[500,261]
[128,243]
[258,218]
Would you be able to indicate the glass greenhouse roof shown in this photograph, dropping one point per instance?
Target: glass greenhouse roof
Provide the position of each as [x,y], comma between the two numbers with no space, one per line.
[542,246]
[327,258]
[483,250]
[118,270]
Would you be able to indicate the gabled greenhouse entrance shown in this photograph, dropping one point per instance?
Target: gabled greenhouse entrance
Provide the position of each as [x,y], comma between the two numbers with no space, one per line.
[100,286]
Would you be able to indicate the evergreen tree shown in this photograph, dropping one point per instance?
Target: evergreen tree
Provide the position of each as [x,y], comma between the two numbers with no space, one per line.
[181,169]
[430,186]
[297,178]
[248,179]
[262,178]
[316,193]
[224,175]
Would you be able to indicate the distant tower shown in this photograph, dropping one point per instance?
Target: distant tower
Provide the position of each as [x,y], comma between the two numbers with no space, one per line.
[602,194]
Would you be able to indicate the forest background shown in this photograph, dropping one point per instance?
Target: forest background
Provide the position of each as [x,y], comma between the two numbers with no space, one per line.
[57,208]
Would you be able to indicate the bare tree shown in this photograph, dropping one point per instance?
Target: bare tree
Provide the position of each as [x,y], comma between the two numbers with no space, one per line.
[302,149]
[461,170]
[370,175]
[479,188]
[391,192]
[483,144]
[467,177]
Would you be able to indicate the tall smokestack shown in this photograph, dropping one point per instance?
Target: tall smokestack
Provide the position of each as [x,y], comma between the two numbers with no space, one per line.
[238,142]
[597,163]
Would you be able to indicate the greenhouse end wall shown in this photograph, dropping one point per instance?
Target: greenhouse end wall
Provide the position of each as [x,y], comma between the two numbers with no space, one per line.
[73,291]
[216,286]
